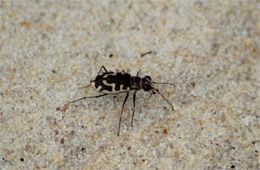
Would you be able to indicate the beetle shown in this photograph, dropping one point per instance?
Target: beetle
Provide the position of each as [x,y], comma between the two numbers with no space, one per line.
[112,83]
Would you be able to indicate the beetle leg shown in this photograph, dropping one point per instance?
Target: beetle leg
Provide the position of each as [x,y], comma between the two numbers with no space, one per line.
[133,109]
[103,70]
[84,86]
[74,101]
[151,93]
[138,72]
[121,113]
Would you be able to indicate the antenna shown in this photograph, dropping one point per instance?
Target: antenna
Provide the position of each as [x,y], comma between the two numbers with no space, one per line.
[171,84]
[164,98]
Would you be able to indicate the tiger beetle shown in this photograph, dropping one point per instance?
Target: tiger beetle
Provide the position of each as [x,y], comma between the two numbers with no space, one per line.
[111,83]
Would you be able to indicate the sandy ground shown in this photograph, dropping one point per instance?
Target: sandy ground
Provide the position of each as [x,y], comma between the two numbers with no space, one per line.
[208,49]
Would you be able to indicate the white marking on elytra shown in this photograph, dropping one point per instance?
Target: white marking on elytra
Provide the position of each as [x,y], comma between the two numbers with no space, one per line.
[122,86]
[94,86]
[105,76]
[113,85]
[110,74]
[99,88]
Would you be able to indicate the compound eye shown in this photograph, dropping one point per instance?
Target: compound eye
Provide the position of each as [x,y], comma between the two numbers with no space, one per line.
[148,78]
[147,87]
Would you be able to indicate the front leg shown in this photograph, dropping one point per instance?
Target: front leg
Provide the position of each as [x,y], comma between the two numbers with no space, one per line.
[133,109]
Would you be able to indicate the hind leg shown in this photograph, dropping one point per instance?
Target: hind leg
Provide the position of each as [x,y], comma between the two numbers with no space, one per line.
[102,70]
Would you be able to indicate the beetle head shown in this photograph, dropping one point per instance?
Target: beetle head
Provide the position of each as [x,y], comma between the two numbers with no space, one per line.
[147,84]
